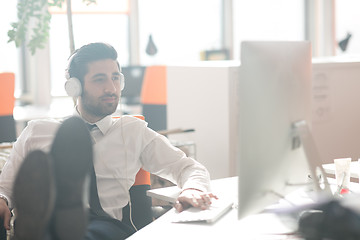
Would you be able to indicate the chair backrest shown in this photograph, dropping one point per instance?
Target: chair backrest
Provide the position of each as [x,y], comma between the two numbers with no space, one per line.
[141,204]
[154,85]
[7,103]
[154,97]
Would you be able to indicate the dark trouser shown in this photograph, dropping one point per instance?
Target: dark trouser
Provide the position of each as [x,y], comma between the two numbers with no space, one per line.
[106,228]
[2,230]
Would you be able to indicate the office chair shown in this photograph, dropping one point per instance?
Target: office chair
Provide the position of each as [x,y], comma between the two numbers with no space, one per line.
[141,204]
[7,103]
[143,211]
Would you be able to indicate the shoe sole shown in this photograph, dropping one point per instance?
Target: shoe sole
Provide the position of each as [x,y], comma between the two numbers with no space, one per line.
[72,156]
[34,196]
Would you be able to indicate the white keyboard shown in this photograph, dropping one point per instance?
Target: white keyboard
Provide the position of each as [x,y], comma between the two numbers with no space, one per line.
[214,212]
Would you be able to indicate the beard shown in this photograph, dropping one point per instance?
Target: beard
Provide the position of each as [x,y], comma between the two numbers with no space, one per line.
[95,106]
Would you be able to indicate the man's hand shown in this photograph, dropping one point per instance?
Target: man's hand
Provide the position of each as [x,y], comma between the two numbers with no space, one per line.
[5,214]
[193,198]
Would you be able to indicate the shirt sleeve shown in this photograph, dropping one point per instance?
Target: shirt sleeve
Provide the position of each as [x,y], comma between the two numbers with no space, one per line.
[7,176]
[160,157]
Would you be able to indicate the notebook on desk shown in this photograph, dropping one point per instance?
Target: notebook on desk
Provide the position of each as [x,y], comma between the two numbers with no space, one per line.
[217,209]
[167,194]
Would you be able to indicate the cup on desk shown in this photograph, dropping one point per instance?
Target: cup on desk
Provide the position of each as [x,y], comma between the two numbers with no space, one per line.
[342,172]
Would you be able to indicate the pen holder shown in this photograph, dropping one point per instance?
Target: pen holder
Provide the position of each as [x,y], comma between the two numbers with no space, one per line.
[342,172]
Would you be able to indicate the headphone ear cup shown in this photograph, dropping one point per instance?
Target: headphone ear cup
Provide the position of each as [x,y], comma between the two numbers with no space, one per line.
[122,81]
[73,87]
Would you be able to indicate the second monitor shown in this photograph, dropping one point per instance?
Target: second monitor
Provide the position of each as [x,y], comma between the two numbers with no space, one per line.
[134,76]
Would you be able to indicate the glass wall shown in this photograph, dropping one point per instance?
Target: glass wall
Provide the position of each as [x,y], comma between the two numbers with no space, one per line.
[109,25]
[347,20]
[10,56]
[280,20]
[181,29]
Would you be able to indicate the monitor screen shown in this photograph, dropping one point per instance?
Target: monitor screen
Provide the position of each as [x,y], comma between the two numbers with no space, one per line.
[134,76]
[274,94]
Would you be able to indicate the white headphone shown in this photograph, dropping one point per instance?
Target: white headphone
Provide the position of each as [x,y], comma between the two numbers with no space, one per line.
[73,86]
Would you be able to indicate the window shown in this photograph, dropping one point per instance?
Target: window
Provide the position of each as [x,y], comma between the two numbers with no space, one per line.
[280,20]
[181,29]
[10,56]
[347,21]
[90,24]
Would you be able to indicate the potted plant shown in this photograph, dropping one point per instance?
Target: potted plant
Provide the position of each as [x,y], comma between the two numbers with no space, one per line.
[34,21]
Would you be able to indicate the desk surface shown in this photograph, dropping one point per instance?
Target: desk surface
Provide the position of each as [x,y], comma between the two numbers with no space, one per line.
[258,226]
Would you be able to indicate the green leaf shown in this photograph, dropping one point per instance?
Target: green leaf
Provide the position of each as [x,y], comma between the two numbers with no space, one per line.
[28,10]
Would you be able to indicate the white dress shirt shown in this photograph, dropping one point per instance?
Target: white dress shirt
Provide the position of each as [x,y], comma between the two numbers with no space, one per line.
[121,147]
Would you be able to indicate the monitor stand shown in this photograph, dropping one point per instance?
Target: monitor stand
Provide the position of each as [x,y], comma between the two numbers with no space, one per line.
[313,158]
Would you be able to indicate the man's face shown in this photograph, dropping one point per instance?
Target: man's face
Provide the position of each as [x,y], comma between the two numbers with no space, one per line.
[101,90]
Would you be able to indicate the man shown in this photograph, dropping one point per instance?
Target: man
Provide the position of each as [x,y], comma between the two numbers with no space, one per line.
[121,147]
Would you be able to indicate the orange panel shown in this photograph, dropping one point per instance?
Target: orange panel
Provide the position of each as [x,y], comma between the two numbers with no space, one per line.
[7,88]
[154,85]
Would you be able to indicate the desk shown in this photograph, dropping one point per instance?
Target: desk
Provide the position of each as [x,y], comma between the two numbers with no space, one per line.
[258,226]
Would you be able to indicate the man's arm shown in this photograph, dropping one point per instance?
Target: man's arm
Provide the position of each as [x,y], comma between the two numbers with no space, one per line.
[171,163]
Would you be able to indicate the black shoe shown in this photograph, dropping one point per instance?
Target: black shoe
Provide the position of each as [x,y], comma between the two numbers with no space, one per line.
[34,196]
[72,156]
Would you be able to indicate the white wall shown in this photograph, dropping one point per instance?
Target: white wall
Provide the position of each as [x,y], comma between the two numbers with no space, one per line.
[336,109]
[203,97]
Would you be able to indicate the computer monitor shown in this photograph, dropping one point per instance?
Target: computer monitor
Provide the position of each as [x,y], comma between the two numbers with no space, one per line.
[274,112]
[134,76]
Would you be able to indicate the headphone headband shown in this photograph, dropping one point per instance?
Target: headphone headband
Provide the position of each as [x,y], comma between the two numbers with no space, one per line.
[67,73]
[73,85]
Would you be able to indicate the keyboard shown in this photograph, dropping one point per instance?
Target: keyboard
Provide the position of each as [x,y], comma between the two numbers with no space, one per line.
[218,208]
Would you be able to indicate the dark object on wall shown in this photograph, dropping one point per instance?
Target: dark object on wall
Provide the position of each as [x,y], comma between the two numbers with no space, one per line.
[343,44]
[151,48]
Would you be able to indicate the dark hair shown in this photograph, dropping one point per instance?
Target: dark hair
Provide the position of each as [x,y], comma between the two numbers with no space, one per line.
[78,65]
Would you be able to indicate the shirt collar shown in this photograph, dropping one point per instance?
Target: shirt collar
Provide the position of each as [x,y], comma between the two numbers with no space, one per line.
[103,124]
